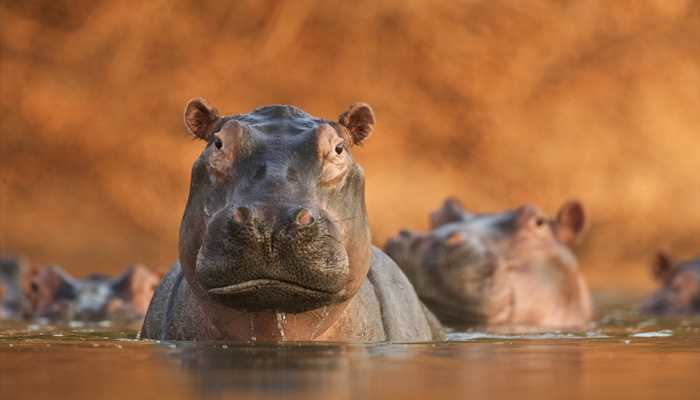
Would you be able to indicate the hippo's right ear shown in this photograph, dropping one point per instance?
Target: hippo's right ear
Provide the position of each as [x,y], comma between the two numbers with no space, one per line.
[662,266]
[359,121]
[571,219]
[451,211]
[200,118]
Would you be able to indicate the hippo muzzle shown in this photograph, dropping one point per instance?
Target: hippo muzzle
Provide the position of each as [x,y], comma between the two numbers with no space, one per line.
[287,258]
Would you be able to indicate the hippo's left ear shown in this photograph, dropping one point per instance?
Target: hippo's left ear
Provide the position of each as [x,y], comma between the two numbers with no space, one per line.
[359,121]
[136,285]
[200,118]
[571,220]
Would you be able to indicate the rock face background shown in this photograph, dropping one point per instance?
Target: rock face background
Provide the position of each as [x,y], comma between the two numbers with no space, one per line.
[496,102]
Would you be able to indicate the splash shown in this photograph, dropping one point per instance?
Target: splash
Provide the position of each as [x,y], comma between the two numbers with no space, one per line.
[657,334]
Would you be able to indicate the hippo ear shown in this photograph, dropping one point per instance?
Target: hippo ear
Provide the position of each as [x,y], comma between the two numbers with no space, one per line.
[451,211]
[136,285]
[50,284]
[359,121]
[662,266]
[200,118]
[571,220]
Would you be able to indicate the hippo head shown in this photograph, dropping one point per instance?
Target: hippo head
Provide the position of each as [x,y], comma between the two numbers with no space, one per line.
[679,293]
[57,296]
[499,268]
[276,218]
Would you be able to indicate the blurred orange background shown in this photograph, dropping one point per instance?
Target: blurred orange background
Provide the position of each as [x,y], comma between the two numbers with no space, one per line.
[497,102]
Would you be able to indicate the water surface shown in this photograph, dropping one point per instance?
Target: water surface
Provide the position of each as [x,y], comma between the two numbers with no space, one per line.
[624,355]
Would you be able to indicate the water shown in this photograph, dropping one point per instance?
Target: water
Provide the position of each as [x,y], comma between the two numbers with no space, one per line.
[625,355]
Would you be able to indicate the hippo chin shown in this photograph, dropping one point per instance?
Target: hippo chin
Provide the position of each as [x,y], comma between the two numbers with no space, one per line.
[274,242]
[679,293]
[505,271]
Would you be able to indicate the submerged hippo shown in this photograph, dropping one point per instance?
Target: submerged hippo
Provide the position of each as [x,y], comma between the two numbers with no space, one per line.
[13,302]
[274,242]
[680,287]
[506,271]
[59,297]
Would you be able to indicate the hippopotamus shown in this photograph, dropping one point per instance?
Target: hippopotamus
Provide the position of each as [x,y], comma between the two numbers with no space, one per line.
[505,271]
[274,242]
[60,297]
[13,301]
[679,293]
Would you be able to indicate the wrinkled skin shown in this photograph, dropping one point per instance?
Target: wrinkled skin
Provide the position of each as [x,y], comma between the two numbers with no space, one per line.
[13,302]
[505,271]
[679,293]
[59,297]
[274,241]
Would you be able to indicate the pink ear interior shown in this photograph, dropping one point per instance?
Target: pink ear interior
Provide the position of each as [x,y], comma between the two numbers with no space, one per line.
[200,118]
[571,220]
[359,121]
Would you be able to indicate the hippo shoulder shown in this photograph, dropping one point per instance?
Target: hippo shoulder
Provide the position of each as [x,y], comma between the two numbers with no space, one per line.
[169,316]
[404,316]
[157,309]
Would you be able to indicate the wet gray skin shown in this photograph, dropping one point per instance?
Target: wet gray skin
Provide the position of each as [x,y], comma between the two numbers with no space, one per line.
[679,293]
[59,297]
[511,270]
[13,302]
[274,241]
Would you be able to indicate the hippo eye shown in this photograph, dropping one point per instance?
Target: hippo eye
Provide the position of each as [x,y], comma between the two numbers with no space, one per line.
[218,143]
[539,222]
[339,148]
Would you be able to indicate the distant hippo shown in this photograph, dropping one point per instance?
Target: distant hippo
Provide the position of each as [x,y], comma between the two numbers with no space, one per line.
[680,287]
[274,242]
[13,301]
[59,297]
[504,271]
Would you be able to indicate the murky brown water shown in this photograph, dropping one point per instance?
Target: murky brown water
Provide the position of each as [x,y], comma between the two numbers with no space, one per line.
[626,355]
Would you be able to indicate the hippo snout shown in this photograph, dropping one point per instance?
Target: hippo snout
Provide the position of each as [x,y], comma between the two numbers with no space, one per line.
[287,258]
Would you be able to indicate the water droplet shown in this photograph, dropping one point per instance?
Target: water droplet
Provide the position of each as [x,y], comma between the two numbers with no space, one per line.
[252,328]
[324,314]
[281,320]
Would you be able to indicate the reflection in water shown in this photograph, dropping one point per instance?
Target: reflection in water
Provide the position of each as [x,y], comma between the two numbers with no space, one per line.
[284,369]
[625,355]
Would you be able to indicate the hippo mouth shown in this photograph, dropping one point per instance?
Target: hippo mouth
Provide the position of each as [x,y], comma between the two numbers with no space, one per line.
[258,284]
[273,294]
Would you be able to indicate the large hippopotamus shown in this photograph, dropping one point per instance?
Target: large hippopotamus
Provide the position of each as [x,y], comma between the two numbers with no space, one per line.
[274,242]
[59,297]
[511,270]
[679,293]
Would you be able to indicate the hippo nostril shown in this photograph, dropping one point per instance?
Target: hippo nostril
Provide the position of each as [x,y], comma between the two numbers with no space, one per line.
[303,217]
[242,215]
